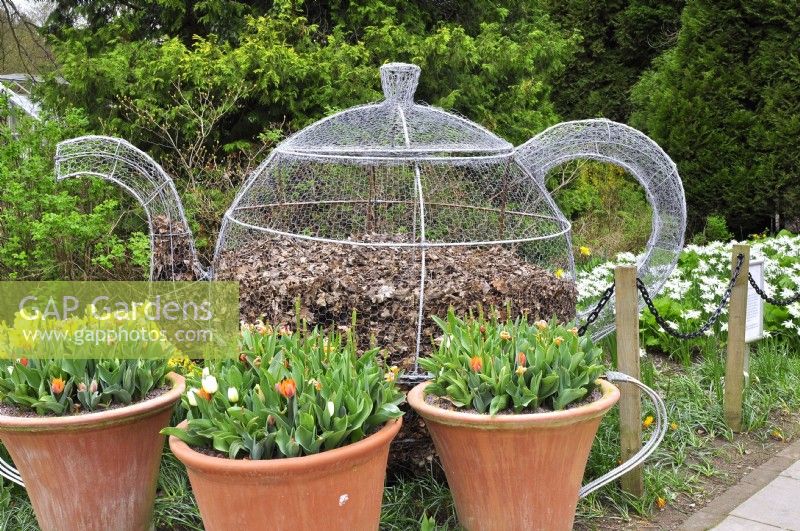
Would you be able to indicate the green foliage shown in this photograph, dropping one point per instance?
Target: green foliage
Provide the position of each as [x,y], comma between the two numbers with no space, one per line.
[619,40]
[66,386]
[492,366]
[49,230]
[715,230]
[607,207]
[290,394]
[723,103]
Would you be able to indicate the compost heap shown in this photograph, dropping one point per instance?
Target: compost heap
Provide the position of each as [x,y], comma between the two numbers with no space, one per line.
[382,285]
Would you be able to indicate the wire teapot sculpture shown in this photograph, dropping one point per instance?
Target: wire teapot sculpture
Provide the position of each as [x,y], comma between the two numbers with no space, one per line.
[389,209]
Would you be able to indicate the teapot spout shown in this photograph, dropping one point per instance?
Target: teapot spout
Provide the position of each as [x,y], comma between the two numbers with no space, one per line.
[173,255]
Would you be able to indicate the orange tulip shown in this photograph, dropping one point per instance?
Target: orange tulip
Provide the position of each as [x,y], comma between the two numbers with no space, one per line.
[23,362]
[202,393]
[476,363]
[286,387]
[521,358]
[57,385]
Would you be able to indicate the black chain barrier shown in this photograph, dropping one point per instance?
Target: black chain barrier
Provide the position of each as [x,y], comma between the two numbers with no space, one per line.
[711,320]
[592,317]
[606,296]
[772,300]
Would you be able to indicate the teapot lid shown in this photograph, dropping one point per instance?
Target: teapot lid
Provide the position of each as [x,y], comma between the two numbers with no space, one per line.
[395,127]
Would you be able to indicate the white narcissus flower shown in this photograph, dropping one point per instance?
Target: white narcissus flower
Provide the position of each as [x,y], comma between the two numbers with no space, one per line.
[233,395]
[210,384]
[191,396]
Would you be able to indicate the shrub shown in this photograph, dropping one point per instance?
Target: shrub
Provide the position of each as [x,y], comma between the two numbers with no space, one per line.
[490,366]
[288,395]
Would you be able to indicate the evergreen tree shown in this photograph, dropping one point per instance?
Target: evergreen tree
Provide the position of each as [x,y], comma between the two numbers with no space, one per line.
[724,103]
[620,38]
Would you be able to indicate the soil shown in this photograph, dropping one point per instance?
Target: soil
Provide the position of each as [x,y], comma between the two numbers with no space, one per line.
[443,403]
[13,410]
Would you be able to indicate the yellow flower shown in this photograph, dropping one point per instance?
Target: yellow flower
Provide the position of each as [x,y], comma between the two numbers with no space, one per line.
[559,273]
[395,369]
[521,370]
[661,503]
[504,335]
[648,421]
[389,376]
[777,435]
[574,330]
[673,426]
[558,340]
[541,324]
[585,251]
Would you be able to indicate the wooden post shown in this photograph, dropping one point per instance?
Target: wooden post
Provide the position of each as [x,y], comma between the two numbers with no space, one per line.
[626,300]
[737,349]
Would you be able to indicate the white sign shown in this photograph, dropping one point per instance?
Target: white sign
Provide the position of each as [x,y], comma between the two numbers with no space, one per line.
[754,324]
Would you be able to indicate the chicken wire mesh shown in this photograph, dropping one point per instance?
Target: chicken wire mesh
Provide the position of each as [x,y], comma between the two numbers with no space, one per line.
[397,211]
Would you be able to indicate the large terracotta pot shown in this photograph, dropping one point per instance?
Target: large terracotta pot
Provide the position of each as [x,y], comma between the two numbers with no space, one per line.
[339,489]
[93,472]
[514,472]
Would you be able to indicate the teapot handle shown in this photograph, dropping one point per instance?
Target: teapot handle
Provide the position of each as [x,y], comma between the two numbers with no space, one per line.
[173,256]
[616,143]
[648,448]
[10,473]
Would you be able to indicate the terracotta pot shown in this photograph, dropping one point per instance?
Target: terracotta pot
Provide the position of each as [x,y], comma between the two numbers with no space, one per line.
[93,472]
[514,472]
[340,489]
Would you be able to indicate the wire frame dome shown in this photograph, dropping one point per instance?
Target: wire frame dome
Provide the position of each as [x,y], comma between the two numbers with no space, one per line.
[397,211]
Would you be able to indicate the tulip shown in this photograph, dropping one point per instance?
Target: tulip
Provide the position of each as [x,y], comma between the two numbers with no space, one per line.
[192,397]
[389,376]
[476,363]
[81,387]
[233,395]
[521,358]
[259,392]
[505,335]
[541,324]
[57,385]
[206,372]
[558,340]
[521,370]
[23,362]
[331,408]
[286,388]
[210,384]
[93,386]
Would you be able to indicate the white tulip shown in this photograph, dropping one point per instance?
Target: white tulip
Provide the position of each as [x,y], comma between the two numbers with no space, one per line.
[210,384]
[233,395]
[192,397]
[206,372]
[330,408]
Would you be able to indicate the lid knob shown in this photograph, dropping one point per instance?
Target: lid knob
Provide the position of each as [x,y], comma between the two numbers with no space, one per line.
[399,81]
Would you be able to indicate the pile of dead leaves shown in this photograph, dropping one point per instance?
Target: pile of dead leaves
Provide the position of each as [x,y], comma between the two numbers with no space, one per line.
[382,284]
